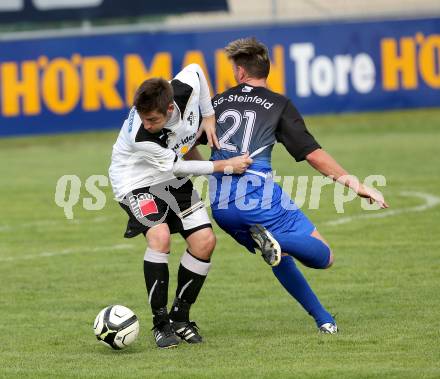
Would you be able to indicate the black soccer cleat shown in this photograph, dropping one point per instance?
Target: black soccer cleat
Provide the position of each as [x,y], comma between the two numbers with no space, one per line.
[188,331]
[268,245]
[164,335]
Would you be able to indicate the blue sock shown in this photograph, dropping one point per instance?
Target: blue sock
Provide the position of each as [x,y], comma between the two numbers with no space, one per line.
[294,282]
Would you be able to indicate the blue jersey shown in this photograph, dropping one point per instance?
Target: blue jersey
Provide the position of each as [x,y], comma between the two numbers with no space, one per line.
[252,119]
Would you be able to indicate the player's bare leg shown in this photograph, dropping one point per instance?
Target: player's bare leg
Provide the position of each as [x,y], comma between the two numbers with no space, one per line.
[193,269]
[156,279]
[158,238]
[202,243]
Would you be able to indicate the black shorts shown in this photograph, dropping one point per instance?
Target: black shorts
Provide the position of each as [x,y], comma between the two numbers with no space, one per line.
[175,203]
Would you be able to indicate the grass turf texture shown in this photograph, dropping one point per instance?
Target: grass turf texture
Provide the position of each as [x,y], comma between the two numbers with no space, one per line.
[383,287]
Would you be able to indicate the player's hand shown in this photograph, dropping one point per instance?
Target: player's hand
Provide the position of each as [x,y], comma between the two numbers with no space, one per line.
[239,164]
[372,195]
[208,125]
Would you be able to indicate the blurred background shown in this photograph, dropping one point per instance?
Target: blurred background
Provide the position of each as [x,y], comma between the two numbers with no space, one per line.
[69,65]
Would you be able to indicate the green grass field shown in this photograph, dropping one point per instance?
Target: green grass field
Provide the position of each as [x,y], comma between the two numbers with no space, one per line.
[56,274]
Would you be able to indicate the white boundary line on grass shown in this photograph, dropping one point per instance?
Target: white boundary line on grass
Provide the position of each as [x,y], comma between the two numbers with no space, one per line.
[38,223]
[46,254]
[430,202]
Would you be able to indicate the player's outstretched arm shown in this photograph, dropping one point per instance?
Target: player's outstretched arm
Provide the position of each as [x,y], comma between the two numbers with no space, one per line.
[235,165]
[320,160]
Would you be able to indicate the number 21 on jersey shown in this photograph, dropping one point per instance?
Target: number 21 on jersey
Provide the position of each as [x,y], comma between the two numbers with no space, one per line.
[248,119]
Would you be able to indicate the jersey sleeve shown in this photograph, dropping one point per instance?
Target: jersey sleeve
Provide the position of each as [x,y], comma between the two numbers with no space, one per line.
[292,133]
[157,156]
[194,76]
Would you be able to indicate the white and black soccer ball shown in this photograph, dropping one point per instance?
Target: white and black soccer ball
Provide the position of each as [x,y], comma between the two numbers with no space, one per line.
[116,326]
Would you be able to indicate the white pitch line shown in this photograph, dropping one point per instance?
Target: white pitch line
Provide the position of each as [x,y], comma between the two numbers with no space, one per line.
[6,228]
[46,254]
[38,223]
[430,202]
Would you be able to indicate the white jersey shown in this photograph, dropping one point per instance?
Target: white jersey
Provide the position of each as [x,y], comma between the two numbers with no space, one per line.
[142,159]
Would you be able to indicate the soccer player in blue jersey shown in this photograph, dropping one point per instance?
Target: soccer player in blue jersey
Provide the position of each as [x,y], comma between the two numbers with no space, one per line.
[251,118]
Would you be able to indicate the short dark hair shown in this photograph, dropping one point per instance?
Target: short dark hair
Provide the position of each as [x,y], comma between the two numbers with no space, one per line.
[154,94]
[250,54]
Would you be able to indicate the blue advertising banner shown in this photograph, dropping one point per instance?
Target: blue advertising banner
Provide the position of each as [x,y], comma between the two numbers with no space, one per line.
[13,11]
[51,85]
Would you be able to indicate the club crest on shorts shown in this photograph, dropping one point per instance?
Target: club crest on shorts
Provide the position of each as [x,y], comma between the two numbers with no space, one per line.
[143,204]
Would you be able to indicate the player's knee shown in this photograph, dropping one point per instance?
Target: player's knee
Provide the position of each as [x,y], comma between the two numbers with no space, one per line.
[204,244]
[208,244]
[159,239]
[330,260]
[212,241]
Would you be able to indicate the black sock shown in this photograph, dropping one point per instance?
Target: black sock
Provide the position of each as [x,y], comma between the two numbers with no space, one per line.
[191,276]
[156,279]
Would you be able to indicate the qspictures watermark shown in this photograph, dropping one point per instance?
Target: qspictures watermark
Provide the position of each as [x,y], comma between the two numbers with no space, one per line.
[68,189]
[296,192]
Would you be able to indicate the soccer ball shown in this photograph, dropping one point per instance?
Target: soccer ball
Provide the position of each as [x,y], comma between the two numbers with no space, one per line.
[116,326]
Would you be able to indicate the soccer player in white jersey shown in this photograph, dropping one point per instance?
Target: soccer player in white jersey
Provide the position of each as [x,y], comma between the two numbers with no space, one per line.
[149,179]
